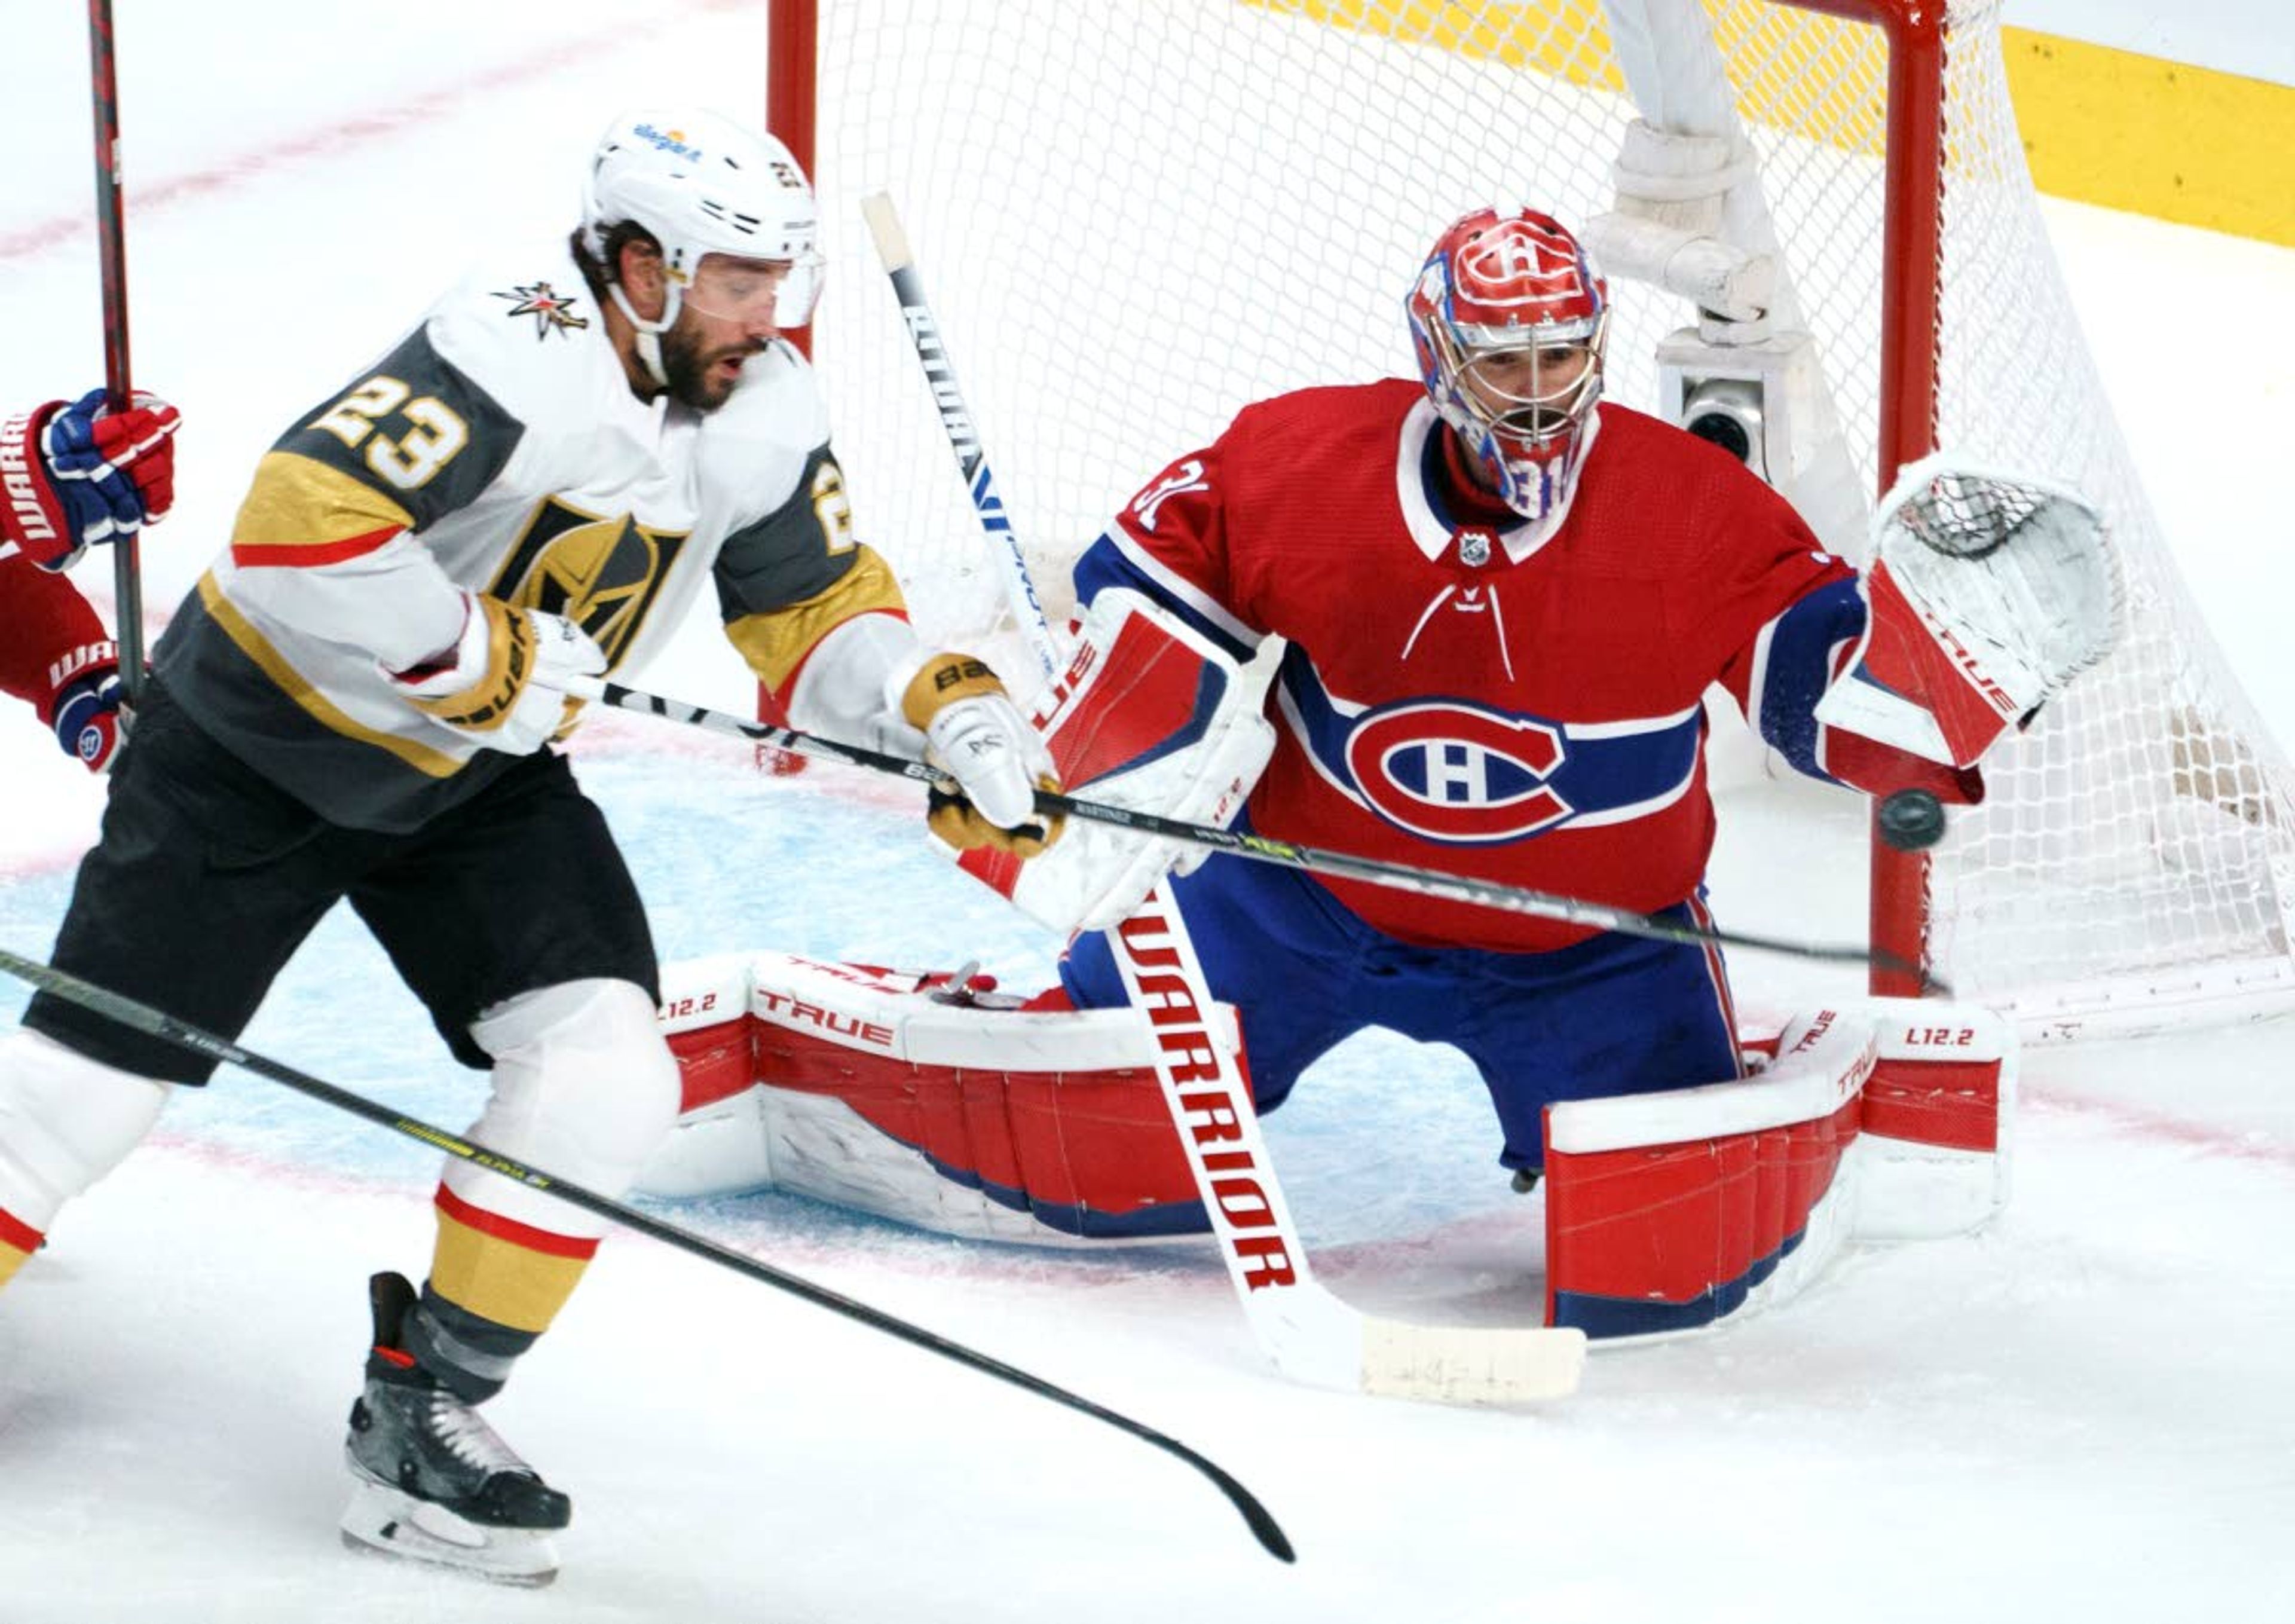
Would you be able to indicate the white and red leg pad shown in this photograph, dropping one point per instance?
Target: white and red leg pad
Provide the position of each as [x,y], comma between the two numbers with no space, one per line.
[1667,1212]
[1150,716]
[878,1090]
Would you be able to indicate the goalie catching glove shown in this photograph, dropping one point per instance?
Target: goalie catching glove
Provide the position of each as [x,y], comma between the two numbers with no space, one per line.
[976,734]
[1985,595]
[504,681]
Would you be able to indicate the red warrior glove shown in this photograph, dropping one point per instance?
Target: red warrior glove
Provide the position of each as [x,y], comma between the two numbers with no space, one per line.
[84,705]
[70,475]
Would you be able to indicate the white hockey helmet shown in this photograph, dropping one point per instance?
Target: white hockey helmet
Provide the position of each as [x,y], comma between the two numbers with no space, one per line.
[702,183]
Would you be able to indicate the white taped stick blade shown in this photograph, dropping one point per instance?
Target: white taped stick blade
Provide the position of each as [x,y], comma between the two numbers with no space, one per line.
[1477,1364]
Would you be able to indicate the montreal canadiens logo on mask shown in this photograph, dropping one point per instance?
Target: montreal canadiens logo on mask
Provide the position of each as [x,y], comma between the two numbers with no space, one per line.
[1457,772]
[1515,263]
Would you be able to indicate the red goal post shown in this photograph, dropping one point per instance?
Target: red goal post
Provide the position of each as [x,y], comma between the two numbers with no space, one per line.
[1138,214]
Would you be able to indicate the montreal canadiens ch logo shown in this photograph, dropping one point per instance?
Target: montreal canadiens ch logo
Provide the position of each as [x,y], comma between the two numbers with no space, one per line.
[1456,772]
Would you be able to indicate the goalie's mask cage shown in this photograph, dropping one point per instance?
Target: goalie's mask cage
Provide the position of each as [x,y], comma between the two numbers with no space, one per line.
[1221,198]
[702,184]
[1508,319]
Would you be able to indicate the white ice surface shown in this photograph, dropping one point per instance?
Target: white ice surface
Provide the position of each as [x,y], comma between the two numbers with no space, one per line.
[2085,1414]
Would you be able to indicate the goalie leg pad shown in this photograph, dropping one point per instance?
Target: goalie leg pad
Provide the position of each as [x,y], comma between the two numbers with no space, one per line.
[964,1113]
[1883,1120]
[1938,1116]
[1666,1212]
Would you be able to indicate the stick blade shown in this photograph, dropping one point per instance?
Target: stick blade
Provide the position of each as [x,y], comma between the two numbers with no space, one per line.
[1471,1365]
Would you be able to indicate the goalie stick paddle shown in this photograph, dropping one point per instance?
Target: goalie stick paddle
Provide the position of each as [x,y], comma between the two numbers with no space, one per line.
[152,1022]
[1307,1332]
[1258,848]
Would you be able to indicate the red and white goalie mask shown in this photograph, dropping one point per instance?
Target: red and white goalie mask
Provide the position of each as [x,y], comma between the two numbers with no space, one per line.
[1510,319]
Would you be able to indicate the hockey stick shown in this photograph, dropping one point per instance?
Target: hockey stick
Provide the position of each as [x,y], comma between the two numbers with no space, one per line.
[1306,1331]
[152,1022]
[111,238]
[1258,848]
[956,423]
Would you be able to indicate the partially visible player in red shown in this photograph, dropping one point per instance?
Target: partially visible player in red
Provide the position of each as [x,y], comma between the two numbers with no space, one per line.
[73,474]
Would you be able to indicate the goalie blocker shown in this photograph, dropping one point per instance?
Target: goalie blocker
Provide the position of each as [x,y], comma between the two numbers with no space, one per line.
[1148,716]
[972,1114]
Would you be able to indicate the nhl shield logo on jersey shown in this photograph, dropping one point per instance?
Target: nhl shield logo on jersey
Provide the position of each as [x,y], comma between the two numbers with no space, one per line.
[1457,772]
[1475,545]
[552,311]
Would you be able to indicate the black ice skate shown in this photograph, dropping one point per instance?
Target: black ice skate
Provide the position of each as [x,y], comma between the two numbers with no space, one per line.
[435,1483]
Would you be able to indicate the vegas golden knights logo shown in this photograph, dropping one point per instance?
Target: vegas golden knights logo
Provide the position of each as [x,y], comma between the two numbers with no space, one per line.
[602,573]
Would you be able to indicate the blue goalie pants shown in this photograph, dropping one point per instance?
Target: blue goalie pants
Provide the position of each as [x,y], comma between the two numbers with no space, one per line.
[1612,1014]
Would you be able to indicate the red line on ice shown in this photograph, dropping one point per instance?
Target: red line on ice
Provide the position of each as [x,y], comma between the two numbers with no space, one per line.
[2245,1144]
[337,135]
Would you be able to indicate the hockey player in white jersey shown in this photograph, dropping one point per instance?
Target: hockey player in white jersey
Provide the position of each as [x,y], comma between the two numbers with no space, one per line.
[358,699]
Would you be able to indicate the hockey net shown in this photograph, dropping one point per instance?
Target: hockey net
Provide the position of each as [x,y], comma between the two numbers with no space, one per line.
[1134,216]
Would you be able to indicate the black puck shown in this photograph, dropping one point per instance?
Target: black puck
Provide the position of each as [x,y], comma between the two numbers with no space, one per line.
[1912,819]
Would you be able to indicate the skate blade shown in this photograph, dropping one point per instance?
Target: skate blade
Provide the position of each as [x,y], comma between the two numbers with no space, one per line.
[384,1520]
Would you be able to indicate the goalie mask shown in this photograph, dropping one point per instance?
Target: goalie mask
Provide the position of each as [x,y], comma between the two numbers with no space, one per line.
[703,185]
[1509,320]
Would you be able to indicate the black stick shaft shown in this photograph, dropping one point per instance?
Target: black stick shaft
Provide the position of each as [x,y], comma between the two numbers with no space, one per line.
[145,1019]
[1258,848]
[111,239]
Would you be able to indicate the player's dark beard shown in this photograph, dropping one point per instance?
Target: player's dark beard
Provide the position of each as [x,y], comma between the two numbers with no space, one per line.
[686,366]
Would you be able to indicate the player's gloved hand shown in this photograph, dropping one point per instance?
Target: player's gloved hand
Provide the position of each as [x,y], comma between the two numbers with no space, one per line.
[81,473]
[84,708]
[504,681]
[975,733]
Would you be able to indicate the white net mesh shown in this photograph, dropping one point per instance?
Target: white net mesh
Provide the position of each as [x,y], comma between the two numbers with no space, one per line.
[1134,216]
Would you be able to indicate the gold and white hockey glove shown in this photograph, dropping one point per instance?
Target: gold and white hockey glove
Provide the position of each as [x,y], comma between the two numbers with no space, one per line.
[503,682]
[975,733]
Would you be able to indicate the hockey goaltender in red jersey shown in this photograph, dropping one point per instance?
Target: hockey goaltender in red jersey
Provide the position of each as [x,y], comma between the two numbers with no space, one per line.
[72,473]
[1502,600]
[358,699]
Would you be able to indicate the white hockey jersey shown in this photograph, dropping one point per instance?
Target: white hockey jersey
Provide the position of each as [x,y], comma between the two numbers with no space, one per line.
[499,449]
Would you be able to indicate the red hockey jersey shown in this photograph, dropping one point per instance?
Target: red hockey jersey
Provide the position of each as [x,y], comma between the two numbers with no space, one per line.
[1518,705]
[47,622]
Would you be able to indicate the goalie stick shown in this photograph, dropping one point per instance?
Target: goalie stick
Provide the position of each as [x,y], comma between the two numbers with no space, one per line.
[956,422]
[1307,1333]
[141,1017]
